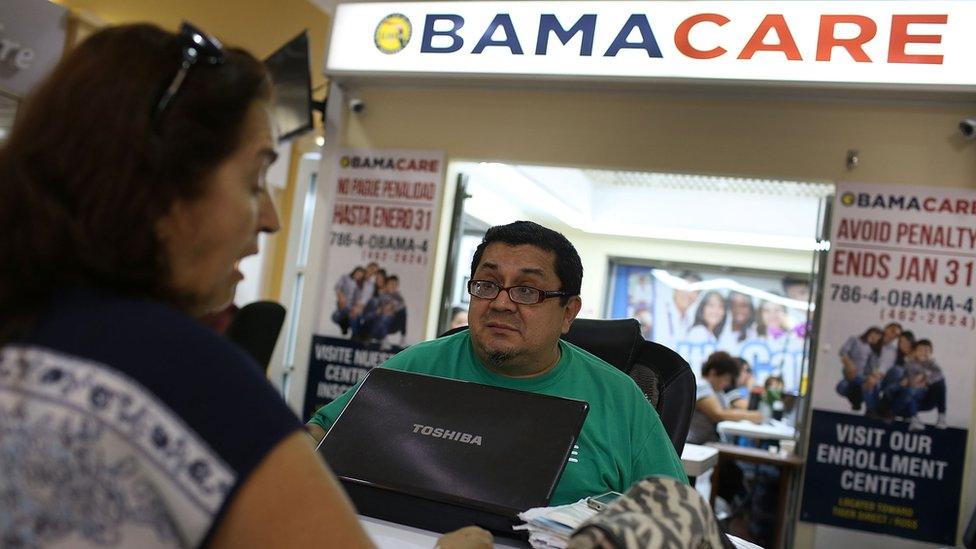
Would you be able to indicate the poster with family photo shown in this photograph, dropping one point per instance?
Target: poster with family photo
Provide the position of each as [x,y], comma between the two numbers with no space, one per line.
[895,362]
[384,206]
[697,311]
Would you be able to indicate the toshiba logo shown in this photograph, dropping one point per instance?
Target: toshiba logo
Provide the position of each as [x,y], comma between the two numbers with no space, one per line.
[437,432]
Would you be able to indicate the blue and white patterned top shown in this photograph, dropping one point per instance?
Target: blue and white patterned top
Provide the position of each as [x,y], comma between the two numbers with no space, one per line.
[126,423]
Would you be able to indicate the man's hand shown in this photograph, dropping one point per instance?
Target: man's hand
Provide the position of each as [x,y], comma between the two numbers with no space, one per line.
[469,537]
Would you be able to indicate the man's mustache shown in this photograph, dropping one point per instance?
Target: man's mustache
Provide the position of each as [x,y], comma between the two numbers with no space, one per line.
[506,319]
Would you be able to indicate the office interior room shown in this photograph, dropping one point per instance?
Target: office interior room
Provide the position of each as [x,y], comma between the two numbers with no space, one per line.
[494,129]
[794,134]
[798,136]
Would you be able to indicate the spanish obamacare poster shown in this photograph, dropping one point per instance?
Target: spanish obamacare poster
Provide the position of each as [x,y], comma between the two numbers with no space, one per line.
[895,371]
[377,267]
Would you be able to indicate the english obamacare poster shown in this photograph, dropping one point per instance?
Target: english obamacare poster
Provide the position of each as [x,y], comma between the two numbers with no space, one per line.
[892,390]
[377,268]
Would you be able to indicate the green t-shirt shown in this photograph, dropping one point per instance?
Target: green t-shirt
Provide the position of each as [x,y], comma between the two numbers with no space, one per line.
[622,440]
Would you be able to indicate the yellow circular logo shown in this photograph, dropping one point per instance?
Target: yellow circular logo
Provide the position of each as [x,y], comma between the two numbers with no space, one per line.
[393,33]
[344,162]
[847,199]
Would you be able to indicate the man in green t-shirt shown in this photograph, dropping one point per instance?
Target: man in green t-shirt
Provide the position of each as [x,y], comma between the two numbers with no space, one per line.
[525,285]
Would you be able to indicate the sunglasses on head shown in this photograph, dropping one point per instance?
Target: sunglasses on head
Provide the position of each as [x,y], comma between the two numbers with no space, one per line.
[197,47]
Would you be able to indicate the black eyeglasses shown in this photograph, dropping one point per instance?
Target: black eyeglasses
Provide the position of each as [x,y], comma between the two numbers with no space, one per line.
[523,295]
[198,47]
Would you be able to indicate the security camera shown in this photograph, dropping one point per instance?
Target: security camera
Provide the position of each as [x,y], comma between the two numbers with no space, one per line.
[968,127]
[357,105]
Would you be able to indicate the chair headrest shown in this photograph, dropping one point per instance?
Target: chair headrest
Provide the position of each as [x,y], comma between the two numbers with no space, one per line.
[618,342]
[615,341]
[256,327]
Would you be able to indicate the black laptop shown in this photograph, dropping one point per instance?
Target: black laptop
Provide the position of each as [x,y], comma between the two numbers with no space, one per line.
[440,454]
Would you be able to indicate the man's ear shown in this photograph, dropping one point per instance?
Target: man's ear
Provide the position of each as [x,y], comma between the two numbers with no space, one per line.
[570,311]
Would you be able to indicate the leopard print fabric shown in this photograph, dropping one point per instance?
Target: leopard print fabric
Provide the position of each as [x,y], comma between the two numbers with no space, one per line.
[655,512]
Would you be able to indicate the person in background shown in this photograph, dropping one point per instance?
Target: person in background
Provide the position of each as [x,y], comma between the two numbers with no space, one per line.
[889,347]
[906,349]
[348,289]
[775,329]
[367,289]
[773,397]
[859,359]
[459,317]
[387,313]
[887,357]
[929,383]
[367,311]
[738,396]
[709,319]
[131,185]
[640,301]
[796,288]
[774,386]
[717,373]
[773,323]
[893,396]
[799,289]
[678,313]
[742,321]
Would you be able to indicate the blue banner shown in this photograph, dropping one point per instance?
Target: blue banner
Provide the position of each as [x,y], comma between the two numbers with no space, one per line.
[335,365]
[892,394]
[865,474]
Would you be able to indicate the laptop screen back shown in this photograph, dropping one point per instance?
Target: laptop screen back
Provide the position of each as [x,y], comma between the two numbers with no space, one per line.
[464,443]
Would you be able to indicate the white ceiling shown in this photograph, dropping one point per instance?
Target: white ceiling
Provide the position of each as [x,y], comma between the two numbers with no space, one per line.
[722,210]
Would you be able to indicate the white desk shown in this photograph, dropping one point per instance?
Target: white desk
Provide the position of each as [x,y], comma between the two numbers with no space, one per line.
[776,430]
[698,459]
[390,535]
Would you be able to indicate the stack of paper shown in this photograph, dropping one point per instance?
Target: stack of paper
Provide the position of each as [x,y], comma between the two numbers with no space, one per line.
[550,527]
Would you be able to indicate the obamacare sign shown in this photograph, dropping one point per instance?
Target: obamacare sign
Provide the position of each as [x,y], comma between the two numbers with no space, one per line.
[926,44]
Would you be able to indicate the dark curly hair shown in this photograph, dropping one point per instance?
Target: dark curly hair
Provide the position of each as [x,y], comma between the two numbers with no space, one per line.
[87,172]
[569,267]
[721,363]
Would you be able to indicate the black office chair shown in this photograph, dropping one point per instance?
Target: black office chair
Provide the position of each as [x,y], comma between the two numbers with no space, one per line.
[255,329]
[665,378]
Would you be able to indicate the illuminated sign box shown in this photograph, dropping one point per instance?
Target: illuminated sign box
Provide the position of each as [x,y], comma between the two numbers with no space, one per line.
[905,44]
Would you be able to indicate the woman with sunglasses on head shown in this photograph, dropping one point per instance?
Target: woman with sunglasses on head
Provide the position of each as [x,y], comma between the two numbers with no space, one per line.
[131,186]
